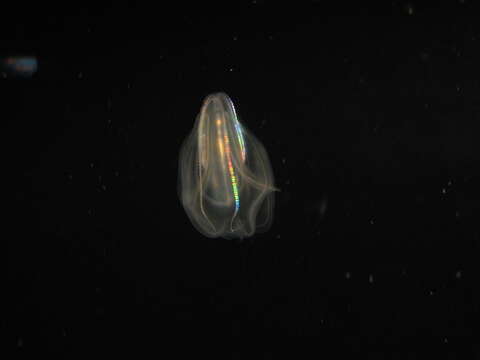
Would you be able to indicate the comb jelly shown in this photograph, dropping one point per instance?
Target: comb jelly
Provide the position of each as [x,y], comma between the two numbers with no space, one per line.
[225,183]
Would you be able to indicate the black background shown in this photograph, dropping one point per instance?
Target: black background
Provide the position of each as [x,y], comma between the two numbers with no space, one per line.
[371,112]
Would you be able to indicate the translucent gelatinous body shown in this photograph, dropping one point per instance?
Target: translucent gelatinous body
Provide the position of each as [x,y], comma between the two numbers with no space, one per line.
[226,183]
